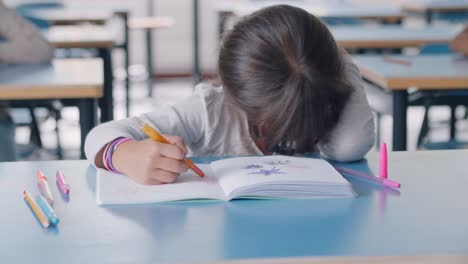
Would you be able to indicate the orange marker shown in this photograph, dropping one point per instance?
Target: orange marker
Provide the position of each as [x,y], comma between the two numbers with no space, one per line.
[36,210]
[154,135]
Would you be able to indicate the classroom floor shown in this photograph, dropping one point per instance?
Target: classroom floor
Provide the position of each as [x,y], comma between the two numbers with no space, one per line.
[173,90]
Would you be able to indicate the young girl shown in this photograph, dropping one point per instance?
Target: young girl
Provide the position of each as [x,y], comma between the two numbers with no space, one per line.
[286,88]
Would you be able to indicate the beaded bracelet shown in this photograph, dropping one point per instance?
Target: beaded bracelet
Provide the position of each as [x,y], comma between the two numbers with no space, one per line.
[109,151]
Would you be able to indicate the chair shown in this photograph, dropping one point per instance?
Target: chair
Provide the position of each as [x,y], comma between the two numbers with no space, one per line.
[449,98]
[452,17]
[26,9]
[335,21]
[30,114]
[53,107]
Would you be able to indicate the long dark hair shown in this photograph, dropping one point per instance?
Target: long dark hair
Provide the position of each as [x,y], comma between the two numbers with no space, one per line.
[282,66]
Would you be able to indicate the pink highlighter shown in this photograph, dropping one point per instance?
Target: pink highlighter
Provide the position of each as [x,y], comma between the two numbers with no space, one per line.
[383,170]
[63,186]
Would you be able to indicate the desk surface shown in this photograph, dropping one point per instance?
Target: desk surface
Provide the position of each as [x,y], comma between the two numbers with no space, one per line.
[436,6]
[427,216]
[80,37]
[64,78]
[317,9]
[392,36]
[425,72]
[74,16]
[150,22]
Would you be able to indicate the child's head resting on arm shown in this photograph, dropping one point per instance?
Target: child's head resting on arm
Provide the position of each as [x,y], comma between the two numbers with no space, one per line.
[282,67]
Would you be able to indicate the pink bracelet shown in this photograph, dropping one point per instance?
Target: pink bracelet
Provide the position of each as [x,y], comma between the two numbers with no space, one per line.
[109,151]
[104,156]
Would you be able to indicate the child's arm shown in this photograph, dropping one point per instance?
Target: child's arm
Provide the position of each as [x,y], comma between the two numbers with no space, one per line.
[142,159]
[354,134]
[460,42]
[21,41]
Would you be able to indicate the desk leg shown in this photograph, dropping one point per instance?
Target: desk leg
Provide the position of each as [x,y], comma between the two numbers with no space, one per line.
[149,60]
[222,19]
[106,103]
[428,15]
[127,64]
[400,105]
[88,119]
[196,44]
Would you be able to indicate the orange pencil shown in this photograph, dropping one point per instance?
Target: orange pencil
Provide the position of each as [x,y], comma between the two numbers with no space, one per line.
[154,135]
[36,210]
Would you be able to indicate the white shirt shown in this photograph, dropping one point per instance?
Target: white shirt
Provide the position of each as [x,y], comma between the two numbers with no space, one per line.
[212,127]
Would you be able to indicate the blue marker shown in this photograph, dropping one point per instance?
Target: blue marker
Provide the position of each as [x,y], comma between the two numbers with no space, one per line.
[48,211]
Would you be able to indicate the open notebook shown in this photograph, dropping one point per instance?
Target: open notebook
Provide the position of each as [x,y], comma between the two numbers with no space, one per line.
[245,177]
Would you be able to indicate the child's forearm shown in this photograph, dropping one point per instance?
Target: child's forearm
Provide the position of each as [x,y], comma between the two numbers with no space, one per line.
[460,42]
[98,158]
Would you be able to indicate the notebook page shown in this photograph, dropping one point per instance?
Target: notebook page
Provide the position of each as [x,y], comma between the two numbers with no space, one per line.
[242,172]
[112,188]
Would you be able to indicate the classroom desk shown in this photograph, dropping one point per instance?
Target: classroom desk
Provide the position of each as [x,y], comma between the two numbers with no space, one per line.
[100,38]
[426,217]
[391,36]
[65,37]
[74,16]
[227,9]
[428,8]
[77,79]
[426,72]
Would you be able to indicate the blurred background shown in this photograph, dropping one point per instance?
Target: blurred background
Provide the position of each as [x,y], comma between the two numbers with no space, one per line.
[172,45]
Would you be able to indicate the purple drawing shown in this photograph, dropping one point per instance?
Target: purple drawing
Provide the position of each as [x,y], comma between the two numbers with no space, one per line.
[268,172]
[253,166]
[278,162]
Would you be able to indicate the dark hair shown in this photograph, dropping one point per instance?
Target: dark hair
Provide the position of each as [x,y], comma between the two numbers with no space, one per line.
[282,67]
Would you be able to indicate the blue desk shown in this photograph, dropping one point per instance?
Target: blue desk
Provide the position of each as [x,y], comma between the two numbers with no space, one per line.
[76,81]
[429,216]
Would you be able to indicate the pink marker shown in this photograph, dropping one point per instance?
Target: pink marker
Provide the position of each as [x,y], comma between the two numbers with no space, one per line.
[363,176]
[63,186]
[383,170]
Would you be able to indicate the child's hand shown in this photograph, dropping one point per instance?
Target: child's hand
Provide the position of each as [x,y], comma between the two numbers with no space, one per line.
[150,162]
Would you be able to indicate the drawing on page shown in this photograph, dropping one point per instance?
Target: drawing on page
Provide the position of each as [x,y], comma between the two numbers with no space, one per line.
[268,172]
[278,162]
[253,166]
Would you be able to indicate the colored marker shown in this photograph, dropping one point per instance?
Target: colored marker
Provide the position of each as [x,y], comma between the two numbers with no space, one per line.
[48,211]
[154,135]
[36,210]
[363,176]
[63,186]
[44,187]
[383,169]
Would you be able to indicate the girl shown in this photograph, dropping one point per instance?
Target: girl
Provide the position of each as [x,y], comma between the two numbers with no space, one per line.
[285,86]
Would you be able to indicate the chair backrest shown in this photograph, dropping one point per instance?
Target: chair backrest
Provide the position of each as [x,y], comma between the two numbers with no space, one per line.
[336,21]
[40,23]
[452,17]
[435,49]
[26,10]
